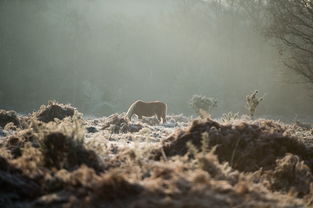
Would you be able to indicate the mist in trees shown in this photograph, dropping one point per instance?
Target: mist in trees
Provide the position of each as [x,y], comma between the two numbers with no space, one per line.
[101,55]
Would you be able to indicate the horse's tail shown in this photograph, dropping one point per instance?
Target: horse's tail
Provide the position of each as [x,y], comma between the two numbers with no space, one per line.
[131,110]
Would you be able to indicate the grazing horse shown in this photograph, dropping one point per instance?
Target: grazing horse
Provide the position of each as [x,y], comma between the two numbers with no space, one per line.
[141,108]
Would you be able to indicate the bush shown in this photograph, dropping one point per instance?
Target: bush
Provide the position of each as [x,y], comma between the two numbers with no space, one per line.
[202,103]
[252,103]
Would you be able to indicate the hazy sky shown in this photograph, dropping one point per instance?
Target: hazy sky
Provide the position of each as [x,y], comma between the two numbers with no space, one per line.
[101,55]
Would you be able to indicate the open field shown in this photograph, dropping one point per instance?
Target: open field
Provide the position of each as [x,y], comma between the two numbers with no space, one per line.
[56,158]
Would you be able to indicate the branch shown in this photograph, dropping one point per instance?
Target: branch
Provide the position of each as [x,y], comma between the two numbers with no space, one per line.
[295,45]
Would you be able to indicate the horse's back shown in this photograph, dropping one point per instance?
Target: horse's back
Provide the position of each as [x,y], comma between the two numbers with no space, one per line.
[149,107]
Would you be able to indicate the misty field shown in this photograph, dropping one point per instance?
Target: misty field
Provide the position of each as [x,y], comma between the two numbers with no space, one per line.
[231,81]
[56,158]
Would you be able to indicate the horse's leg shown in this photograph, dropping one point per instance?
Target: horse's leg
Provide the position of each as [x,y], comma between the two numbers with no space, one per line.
[163,117]
[158,117]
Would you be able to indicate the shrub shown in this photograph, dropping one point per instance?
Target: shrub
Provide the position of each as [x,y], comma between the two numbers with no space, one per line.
[202,103]
[253,102]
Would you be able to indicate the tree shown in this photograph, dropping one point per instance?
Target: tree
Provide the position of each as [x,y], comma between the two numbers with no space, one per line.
[291,23]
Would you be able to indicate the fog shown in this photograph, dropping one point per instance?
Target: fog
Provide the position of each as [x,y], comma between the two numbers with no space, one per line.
[102,55]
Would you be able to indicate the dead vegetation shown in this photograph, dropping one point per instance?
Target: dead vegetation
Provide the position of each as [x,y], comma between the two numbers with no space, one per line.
[7,117]
[119,124]
[246,146]
[235,163]
[53,111]
[252,102]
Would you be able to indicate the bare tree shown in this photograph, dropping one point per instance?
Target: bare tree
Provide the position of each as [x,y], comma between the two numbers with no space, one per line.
[255,10]
[290,24]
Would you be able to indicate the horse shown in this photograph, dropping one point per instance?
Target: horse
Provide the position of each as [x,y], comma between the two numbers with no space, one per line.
[141,108]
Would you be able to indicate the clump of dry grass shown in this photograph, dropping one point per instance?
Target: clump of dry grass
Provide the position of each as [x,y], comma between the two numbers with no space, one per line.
[180,182]
[56,145]
[291,176]
[15,143]
[247,146]
[32,159]
[54,111]
[230,116]
[8,117]
[119,124]
[62,145]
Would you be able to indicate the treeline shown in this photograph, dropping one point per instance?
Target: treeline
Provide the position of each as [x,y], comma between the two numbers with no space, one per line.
[102,55]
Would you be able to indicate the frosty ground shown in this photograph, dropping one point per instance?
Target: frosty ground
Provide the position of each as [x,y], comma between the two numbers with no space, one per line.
[55,157]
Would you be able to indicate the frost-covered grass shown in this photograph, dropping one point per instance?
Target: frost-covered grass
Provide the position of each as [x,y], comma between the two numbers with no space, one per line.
[113,162]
